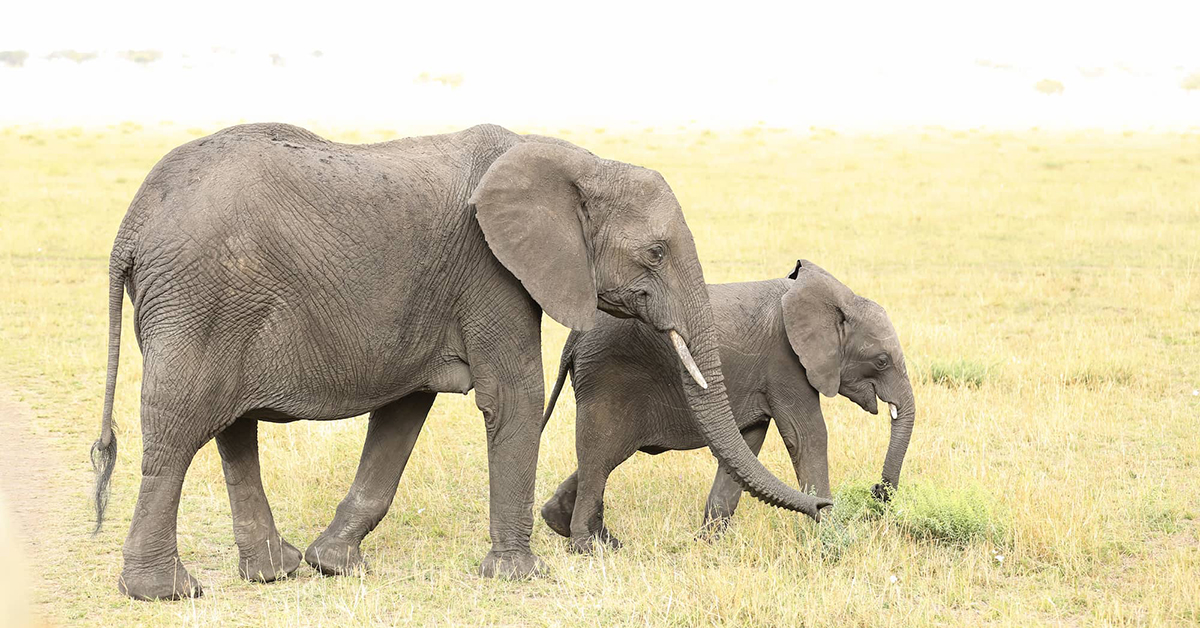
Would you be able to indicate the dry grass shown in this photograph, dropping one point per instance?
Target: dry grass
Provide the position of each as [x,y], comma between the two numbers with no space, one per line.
[1051,479]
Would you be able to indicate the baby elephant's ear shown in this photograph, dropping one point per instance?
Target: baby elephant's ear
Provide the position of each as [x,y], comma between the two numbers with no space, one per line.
[805,264]
[815,320]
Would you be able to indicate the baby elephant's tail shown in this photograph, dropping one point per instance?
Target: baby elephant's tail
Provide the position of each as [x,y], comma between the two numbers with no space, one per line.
[565,364]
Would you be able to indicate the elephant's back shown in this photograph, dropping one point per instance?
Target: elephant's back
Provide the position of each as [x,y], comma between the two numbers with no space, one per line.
[281,230]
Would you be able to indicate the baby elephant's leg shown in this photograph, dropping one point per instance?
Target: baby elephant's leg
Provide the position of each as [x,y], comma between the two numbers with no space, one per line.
[557,510]
[597,458]
[587,520]
[807,443]
[725,493]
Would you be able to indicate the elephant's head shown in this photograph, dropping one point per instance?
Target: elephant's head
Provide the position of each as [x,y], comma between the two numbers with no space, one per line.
[847,345]
[583,233]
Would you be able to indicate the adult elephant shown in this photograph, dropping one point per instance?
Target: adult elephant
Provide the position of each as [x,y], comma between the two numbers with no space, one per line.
[278,276]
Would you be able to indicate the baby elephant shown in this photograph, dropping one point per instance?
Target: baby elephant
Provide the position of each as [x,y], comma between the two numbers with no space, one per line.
[781,342]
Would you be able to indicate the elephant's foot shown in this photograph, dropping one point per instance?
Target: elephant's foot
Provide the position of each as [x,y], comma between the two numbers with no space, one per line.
[334,557]
[172,582]
[557,515]
[714,528]
[515,565]
[587,544]
[269,560]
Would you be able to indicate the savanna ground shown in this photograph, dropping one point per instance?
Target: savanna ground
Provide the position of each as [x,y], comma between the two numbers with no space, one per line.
[1046,287]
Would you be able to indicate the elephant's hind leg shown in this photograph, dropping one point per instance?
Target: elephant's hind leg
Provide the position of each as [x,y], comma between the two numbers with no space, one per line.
[557,510]
[391,434]
[152,569]
[263,555]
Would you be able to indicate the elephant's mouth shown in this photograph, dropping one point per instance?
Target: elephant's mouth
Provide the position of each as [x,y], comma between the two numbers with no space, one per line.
[608,305]
[865,396]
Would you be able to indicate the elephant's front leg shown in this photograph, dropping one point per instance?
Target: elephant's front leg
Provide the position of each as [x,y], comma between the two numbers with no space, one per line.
[807,441]
[263,554]
[725,493]
[391,433]
[512,404]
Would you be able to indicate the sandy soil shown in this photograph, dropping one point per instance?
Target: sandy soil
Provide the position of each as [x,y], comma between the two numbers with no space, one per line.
[30,499]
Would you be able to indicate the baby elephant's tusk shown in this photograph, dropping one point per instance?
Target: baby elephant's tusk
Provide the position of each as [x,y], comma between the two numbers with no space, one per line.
[686,357]
[893,407]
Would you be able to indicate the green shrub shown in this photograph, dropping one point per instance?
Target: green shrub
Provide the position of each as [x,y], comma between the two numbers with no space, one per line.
[853,501]
[953,517]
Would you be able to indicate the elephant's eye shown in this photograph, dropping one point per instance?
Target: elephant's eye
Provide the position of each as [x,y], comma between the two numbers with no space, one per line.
[882,361]
[656,254]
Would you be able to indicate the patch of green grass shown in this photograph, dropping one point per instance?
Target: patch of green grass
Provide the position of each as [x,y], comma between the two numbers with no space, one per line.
[956,517]
[958,373]
[924,512]
[853,501]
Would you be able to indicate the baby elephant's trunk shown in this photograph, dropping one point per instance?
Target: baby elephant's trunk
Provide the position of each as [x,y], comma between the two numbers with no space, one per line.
[902,413]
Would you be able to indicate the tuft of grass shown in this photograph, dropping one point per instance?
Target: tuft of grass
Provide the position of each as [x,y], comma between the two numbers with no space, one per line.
[854,502]
[1100,377]
[959,373]
[956,517]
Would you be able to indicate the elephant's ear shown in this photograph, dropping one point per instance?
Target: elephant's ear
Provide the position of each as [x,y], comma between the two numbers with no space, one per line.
[815,321]
[531,211]
[807,265]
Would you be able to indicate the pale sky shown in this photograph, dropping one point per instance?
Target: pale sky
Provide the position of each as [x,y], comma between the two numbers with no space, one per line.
[854,65]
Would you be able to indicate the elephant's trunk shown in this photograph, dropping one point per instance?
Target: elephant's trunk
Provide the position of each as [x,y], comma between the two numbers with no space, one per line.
[710,406]
[902,425]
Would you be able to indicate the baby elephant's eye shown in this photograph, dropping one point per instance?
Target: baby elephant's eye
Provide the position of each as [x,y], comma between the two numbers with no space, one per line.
[657,252]
[882,361]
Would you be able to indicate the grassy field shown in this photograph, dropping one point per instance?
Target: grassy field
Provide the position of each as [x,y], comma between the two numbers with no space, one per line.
[1046,287]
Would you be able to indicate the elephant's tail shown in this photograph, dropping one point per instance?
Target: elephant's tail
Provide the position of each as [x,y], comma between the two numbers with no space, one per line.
[104,450]
[564,366]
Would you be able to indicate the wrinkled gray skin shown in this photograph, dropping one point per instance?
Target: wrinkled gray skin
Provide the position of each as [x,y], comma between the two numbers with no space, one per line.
[781,342]
[278,276]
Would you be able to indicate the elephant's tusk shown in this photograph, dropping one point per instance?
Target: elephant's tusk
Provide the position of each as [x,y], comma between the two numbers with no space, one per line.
[686,357]
[894,413]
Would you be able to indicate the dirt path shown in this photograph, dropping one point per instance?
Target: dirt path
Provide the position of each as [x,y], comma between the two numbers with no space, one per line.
[30,470]
[31,503]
